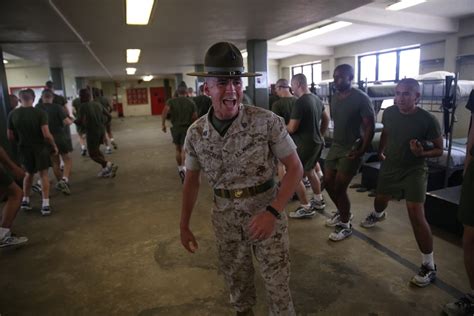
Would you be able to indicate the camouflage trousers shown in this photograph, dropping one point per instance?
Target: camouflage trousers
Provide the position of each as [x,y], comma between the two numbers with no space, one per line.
[230,219]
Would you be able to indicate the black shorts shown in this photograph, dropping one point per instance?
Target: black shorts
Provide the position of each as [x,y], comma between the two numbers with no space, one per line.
[5,178]
[179,134]
[63,143]
[94,140]
[35,158]
[309,155]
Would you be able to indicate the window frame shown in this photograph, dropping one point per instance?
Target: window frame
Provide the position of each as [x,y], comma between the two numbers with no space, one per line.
[300,71]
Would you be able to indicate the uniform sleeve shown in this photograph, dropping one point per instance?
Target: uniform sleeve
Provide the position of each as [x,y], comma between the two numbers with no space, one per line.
[43,117]
[366,107]
[434,129]
[280,141]
[297,111]
[191,161]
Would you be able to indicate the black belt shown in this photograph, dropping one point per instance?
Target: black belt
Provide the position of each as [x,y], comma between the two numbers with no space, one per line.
[245,192]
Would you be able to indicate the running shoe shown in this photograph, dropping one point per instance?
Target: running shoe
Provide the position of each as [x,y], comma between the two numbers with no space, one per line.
[318,205]
[46,210]
[9,241]
[36,188]
[463,306]
[108,151]
[424,277]
[372,219]
[114,144]
[302,212]
[341,232]
[335,219]
[84,152]
[63,186]
[25,206]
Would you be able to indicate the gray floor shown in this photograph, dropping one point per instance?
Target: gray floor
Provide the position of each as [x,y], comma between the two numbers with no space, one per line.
[112,248]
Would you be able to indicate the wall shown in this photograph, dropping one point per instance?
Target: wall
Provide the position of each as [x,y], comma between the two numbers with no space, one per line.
[27,76]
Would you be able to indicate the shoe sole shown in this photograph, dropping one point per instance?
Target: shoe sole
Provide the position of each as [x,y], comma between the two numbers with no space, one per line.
[299,217]
[372,225]
[413,281]
[335,239]
[14,245]
[45,213]
[26,208]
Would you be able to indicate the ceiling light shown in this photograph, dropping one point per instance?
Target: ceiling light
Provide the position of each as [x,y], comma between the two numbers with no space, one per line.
[5,61]
[244,53]
[147,78]
[403,4]
[315,32]
[133,55]
[139,11]
[130,71]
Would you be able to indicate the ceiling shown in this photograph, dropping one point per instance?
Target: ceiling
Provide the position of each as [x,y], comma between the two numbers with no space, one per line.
[180,31]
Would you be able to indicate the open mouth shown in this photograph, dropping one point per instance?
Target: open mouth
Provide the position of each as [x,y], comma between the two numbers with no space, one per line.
[229,102]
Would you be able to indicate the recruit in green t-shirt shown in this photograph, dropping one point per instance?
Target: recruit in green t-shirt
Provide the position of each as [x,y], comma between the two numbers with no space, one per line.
[308,110]
[400,129]
[26,123]
[203,103]
[181,111]
[283,107]
[56,117]
[91,116]
[347,114]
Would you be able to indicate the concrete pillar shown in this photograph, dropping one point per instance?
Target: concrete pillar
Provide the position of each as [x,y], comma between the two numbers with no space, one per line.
[57,76]
[258,62]
[451,53]
[4,105]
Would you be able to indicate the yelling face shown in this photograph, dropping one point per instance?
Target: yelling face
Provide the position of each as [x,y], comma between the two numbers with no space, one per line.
[406,97]
[226,95]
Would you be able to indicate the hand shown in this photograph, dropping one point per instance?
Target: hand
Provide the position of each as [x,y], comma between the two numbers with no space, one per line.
[416,148]
[55,150]
[262,225]
[163,128]
[355,154]
[18,172]
[188,241]
[382,156]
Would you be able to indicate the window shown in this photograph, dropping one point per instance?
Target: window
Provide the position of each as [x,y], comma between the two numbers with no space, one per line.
[311,71]
[389,66]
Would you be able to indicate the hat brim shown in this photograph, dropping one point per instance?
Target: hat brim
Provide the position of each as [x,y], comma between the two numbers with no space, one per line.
[206,74]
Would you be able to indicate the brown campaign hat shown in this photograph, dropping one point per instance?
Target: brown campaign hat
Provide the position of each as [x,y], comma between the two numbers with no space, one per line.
[223,59]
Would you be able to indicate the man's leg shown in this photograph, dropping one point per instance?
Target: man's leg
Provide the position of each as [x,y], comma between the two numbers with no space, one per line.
[340,191]
[45,209]
[67,166]
[424,239]
[330,182]
[56,168]
[27,183]
[82,142]
[109,169]
[179,154]
[10,209]
[380,204]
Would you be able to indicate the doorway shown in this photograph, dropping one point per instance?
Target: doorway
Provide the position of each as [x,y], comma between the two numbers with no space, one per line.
[158,100]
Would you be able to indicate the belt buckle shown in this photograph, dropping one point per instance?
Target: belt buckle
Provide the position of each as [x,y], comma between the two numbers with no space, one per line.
[238,193]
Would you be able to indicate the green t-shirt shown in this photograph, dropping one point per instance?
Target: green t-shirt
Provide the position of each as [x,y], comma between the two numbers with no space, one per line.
[91,116]
[347,115]
[105,103]
[401,128]
[283,107]
[56,117]
[203,103]
[26,123]
[76,104]
[181,111]
[57,99]
[221,126]
[308,110]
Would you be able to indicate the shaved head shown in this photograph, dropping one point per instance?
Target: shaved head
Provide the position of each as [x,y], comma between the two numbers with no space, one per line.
[411,83]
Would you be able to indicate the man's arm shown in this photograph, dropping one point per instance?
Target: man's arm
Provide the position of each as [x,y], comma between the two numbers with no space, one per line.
[10,135]
[49,138]
[324,123]
[293,126]
[368,126]
[190,193]
[9,164]
[67,121]
[382,144]
[163,117]
[417,148]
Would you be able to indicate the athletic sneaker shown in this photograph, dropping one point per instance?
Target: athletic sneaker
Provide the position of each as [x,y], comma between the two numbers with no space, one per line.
[9,241]
[63,186]
[341,232]
[463,306]
[108,151]
[335,219]
[306,183]
[424,277]
[113,170]
[318,205]
[84,152]
[25,206]
[302,212]
[104,173]
[36,188]
[182,175]
[114,144]
[46,211]
[372,219]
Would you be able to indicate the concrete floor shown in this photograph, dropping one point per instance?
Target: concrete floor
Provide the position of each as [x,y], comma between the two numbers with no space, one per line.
[112,248]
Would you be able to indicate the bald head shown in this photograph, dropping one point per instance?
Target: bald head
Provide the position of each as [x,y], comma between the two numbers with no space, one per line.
[282,88]
[299,85]
[411,83]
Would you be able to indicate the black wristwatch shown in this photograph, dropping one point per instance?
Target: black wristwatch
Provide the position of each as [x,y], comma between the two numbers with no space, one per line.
[273,211]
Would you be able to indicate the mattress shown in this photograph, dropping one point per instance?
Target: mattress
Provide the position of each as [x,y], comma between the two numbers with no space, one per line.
[458,155]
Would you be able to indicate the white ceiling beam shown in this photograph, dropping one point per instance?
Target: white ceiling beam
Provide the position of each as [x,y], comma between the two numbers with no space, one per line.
[405,21]
[301,49]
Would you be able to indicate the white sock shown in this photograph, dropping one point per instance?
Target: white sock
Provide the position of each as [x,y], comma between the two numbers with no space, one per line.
[306,206]
[181,168]
[108,148]
[4,232]
[346,225]
[26,199]
[108,165]
[319,174]
[377,214]
[66,179]
[83,147]
[45,202]
[111,139]
[428,260]
[318,197]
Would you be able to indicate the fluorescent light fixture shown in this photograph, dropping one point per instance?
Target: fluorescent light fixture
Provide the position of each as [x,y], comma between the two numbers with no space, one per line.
[130,71]
[5,61]
[403,4]
[315,32]
[133,55]
[244,53]
[139,11]
[147,78]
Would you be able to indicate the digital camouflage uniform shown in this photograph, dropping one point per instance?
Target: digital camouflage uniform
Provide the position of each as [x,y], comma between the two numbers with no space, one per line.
[244,157]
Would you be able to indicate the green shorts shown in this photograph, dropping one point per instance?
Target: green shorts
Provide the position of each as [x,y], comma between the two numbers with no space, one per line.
[178,134]
[94,140]
[5,178]
[63,143]
[309,155]
[466,205]
[35,158]
[337,160]
[399,183]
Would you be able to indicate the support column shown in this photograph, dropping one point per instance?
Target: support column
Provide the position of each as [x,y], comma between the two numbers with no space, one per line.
[57,76]
[258,62]
[451,53]
[4,106]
